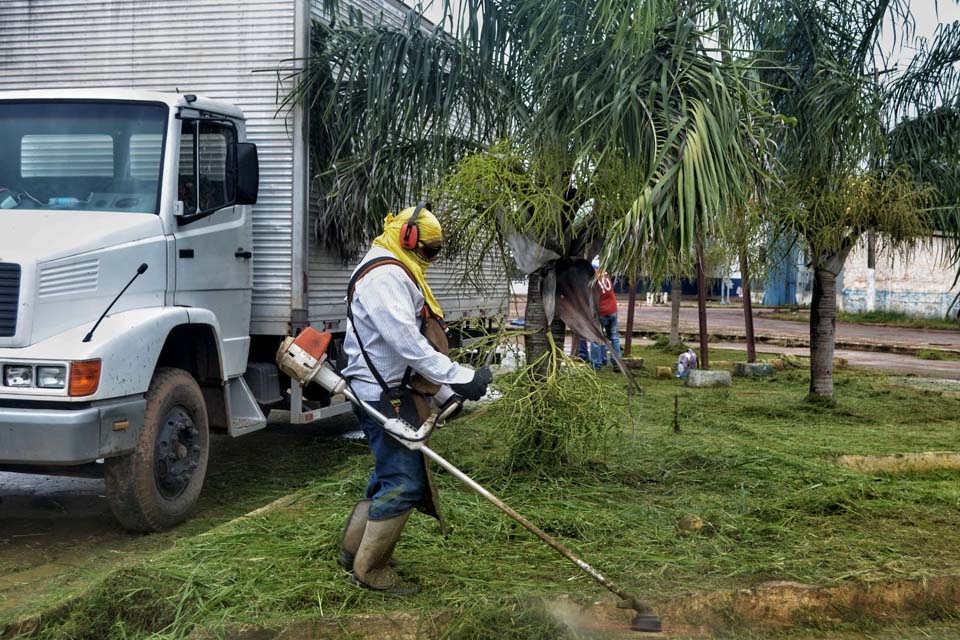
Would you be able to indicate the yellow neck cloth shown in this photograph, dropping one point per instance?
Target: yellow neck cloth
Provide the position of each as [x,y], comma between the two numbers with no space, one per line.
[430,231]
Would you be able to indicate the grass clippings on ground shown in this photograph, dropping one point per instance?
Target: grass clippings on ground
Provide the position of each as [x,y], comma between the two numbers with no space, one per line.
[754,465]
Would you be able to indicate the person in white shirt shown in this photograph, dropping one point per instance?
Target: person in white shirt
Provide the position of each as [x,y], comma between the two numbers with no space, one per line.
[391,311]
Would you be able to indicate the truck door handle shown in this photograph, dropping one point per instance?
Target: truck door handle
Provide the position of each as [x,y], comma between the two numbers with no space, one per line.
[240,253]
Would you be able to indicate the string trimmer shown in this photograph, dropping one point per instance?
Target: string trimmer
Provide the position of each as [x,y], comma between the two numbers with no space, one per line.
[304,359]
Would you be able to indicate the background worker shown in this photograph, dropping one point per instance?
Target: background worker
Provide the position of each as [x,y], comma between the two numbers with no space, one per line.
[608,319]
[390,308]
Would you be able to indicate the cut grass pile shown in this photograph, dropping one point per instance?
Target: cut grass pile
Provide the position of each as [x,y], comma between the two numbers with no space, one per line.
[754,463]
[554,419]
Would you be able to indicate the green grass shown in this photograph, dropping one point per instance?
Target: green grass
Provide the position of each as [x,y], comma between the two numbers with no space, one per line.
[892,318]
[936,354]
[751,461]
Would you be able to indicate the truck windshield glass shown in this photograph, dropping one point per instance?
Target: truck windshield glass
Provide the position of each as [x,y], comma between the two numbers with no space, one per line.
[81,156]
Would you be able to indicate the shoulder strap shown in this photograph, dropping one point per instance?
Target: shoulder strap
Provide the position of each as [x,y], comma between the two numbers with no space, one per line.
[361,271]
[369,266]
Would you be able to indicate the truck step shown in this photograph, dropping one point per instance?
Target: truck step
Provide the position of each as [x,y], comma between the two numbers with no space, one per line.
[245,414]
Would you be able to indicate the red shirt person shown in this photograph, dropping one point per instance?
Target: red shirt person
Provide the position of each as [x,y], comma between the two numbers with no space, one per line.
[608,299]
[608,320]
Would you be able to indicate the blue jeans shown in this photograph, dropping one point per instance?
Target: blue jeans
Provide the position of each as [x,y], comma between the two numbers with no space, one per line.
[399,480]
[598,352]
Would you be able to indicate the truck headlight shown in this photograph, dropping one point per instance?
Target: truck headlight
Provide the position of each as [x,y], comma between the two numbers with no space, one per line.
[15,375]
[51,377]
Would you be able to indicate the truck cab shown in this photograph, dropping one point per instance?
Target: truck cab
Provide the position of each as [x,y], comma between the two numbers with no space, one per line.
[125,290]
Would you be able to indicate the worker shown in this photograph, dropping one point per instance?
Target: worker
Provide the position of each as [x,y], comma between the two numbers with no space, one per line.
[608,319]
[392,364]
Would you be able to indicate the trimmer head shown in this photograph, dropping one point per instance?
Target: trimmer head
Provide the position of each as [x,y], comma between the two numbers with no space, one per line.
[645,620]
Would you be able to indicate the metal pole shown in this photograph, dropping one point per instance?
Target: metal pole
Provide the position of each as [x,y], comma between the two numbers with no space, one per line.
[631,308]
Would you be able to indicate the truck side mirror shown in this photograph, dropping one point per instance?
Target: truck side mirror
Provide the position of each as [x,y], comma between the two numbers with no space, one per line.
[248,173]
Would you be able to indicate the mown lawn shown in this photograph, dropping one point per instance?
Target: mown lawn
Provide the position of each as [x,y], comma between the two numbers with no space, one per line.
[753,464]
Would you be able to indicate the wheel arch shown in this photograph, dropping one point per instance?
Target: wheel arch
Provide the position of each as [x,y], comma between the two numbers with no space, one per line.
[195,348]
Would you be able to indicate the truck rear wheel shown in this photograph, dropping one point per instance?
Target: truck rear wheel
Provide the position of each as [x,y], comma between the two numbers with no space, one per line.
[157,486]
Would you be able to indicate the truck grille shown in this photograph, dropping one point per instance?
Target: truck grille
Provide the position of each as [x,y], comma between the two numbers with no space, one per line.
[9,298]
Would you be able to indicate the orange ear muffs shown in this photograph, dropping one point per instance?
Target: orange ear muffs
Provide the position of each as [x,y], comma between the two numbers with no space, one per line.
[410,232]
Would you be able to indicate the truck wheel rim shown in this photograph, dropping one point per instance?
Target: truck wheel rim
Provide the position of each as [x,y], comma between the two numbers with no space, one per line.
[177,453]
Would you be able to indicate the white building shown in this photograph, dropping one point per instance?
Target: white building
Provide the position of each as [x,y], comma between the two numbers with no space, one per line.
[918,284]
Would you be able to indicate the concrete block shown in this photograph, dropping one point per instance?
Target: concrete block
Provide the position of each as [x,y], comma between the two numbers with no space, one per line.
[634,363]
[664,372]
[751,369]
[699,378]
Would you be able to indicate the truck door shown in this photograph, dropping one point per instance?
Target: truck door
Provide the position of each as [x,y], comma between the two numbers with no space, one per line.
[214,269]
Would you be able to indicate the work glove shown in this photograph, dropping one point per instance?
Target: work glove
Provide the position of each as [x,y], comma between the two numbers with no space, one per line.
[477,387]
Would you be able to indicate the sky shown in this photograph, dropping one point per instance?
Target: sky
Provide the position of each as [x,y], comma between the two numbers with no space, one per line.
[928,18]
[927,14]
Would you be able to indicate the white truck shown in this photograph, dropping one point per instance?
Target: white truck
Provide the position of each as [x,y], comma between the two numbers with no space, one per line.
[176,202]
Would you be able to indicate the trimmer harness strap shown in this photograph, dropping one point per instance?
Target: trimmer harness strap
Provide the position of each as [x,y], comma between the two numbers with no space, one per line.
[361,271]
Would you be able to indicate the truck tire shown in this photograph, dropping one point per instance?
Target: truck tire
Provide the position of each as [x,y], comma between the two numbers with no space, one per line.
[157,486]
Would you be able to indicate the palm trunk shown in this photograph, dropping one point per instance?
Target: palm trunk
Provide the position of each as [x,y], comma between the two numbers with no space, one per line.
[675,288]
[747,306]
[702,307]
[823,326]
[535,342]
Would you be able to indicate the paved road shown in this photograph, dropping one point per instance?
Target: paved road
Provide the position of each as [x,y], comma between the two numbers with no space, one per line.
[889,362]
[730,320]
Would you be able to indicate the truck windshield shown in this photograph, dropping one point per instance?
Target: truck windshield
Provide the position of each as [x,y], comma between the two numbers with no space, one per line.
[81,156]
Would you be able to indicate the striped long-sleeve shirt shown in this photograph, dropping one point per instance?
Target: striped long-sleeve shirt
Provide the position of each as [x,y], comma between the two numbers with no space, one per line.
[386,311]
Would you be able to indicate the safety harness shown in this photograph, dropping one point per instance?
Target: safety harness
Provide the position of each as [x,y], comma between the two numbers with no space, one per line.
[394,393]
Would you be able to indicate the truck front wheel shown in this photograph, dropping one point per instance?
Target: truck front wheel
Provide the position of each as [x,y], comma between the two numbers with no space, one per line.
[157,486]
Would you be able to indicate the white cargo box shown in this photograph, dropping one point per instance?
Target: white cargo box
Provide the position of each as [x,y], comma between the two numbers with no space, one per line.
[237,51]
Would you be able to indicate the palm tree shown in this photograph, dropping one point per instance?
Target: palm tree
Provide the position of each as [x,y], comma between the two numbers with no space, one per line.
[617,126]
[855,159]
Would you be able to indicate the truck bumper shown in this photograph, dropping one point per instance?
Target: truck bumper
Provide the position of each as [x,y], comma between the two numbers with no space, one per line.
[43,436]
